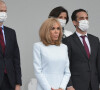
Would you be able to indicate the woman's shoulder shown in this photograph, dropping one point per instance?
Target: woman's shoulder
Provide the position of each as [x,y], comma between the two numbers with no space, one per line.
[63,45]
[67,32]
[38,44]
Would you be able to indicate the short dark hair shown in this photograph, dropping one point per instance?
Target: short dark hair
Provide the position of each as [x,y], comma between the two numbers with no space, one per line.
[57,11]
[74,14]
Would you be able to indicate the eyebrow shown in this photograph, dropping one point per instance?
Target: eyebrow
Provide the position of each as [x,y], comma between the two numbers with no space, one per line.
[83,16]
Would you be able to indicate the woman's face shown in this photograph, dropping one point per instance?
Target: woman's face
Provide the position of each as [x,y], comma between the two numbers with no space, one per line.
[55,32]
[62,15]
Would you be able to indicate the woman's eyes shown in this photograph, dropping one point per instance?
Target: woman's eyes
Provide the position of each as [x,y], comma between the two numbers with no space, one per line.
[58,28]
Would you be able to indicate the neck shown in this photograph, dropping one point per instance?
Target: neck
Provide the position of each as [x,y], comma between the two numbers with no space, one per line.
[81,32]
[1,24]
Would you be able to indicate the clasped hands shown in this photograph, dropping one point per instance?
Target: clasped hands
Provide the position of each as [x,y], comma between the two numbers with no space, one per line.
[69,88]
[56,89]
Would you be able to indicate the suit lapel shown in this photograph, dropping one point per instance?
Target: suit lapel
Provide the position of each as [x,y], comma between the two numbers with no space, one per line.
[1,49]
[6,39]
[91,44]
[80,45]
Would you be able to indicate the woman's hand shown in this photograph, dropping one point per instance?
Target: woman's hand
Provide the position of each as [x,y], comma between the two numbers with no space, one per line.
[70,88]
[56,89]
[17,87]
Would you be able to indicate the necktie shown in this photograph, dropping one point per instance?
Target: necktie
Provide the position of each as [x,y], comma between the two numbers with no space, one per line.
[85,46]
[2,41]
[2,44]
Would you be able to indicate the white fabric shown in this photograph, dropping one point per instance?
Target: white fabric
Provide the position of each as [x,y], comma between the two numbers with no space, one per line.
[67,33]
[3,16]
[83,25]
[32,84]
[51,66]
[62,22]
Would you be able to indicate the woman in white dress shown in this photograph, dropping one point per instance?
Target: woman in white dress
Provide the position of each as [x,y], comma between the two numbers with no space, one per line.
[50,58]
[62,15]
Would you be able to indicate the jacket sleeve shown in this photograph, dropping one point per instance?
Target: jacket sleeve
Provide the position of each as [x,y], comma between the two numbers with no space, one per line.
[38,69]
[98,61]
[67,74]
[17,61]
[66,41]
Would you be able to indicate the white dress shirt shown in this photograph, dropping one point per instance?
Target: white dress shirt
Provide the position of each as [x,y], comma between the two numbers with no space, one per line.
[86,39]
[3,33]
[51,66]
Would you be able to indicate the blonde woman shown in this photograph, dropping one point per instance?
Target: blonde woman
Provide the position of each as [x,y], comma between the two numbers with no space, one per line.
[51,63]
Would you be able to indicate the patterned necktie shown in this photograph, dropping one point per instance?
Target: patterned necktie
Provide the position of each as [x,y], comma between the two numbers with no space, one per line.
[85,46]
[2,44]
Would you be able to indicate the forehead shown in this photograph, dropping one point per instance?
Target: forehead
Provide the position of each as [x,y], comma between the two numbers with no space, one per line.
[56,24]
[2,6]
[63,14]
[81,14]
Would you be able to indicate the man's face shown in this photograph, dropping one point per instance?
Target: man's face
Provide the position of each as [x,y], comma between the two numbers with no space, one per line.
[3,7]
[80,16]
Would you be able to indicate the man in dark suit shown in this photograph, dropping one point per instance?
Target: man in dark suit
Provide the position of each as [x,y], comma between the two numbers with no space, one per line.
[10,70]
[84,55]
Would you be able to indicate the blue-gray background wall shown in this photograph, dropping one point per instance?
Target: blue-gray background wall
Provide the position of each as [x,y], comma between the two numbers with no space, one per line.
[26,17]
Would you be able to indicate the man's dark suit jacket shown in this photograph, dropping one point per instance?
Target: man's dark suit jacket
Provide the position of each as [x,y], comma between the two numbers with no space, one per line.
[11,58]
[84,71]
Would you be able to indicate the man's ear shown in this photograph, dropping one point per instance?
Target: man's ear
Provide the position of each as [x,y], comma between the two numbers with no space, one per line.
[74,22]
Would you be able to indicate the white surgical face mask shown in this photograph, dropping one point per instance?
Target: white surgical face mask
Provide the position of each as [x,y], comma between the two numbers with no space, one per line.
[84,25]
[62,22]
[3,16]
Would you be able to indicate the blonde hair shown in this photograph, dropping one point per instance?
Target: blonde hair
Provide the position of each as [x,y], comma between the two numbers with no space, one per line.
[45,32]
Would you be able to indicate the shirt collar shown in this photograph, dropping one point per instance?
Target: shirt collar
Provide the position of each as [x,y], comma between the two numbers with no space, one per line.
[2,27]
[78,34]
